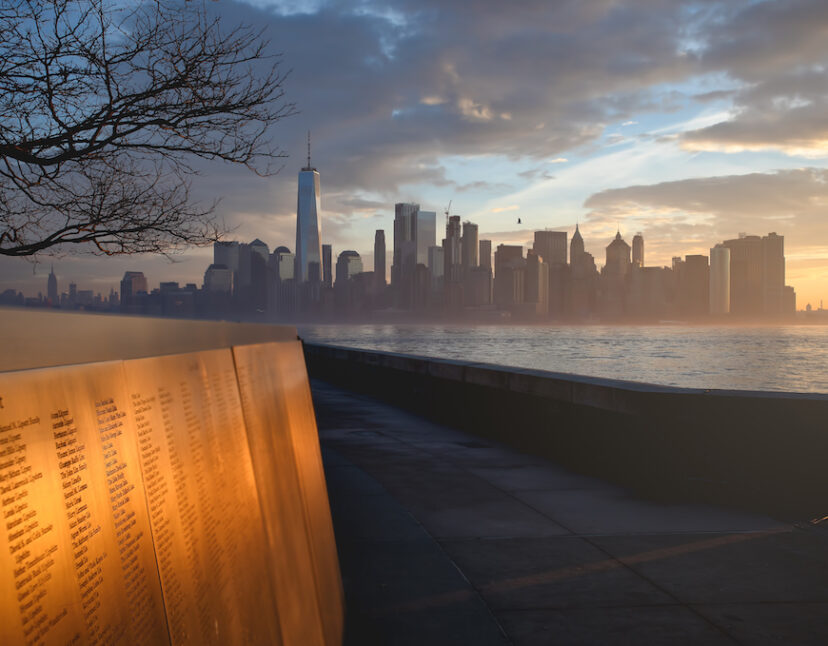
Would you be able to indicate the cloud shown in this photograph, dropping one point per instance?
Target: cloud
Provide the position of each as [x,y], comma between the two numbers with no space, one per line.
[359,204]
[479,186]
[758,40]
[385,97]
[775,53]
[501,209]
[801,132]
[392,92]
[714,95]
[474,111]
[536,173]
[700,212]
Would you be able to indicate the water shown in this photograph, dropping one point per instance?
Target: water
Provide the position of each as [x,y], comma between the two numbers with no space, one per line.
[781,358]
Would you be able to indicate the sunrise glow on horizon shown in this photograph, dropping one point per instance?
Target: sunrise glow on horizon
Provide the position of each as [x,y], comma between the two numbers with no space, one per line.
[688,122]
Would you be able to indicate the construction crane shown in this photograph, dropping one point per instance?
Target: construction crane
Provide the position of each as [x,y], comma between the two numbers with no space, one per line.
[447,211]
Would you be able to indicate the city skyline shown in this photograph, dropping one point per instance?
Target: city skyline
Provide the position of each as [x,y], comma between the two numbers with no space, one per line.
[744,276]
[742,280]
[697,124]
[414,232]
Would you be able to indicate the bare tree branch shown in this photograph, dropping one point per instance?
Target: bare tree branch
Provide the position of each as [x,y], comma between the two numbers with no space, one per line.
[104,105]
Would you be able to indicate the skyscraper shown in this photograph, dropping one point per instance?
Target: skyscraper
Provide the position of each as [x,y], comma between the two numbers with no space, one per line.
[451,250]
[692,285]
[746,275]
[327,268]
[282,293]
[638,250]
[242,281]
[452,269]
[773,255]
[132,284]
[379,259]
[283,263]
[614,284]
[485,257]
[618,257]
[576,247]
[258,287]
[218,279]
[551,245]
[583,283]
[436,266]
[227,254]
[536,283]
[52,288]
[260,249]
[348,265]
[426,234]
[308,211]
[719,280]
[405,242]
[348,285]
[469,253]
[510,276]
[404,263]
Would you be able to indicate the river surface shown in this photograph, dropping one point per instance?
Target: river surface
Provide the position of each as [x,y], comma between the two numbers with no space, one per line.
[781,358]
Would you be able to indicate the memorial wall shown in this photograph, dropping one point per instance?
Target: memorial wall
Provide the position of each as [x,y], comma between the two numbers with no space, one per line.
[174,499]
[274,386]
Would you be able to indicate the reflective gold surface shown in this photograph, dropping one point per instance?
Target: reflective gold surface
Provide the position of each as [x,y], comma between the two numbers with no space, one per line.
[289,359]
[76,555]
[201,493]
[285,445]
[143,504]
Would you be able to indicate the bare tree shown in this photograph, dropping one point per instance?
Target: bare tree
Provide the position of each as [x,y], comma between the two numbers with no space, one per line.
[104,107]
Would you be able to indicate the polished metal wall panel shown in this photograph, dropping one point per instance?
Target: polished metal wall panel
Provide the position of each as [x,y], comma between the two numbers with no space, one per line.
[289,359]
[274,462]
[282,428]
[76,556]
[141,503]
[201,492]
[42,338]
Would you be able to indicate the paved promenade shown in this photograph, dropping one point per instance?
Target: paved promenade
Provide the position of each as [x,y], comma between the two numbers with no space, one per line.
[445,538]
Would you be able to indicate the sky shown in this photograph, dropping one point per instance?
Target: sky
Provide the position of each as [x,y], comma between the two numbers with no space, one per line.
[690,122]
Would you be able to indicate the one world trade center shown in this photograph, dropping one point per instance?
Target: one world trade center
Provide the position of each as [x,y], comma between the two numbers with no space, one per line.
[308,246]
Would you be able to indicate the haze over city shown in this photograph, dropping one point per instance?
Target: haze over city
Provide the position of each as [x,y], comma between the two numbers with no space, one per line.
[690,123]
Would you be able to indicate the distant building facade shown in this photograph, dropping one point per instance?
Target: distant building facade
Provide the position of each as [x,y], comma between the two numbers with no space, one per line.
[52,288]
[719,293]
[485,256]
[133,291]
[638,250]
[425,235]
[327,266]
[379,260]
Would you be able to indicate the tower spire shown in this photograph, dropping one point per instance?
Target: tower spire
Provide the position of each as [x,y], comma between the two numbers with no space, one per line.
[309,149]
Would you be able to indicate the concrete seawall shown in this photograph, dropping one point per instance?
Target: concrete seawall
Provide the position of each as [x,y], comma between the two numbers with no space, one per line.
[758,450]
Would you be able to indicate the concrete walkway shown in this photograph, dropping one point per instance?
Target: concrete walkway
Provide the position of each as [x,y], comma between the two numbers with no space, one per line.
[445,538]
